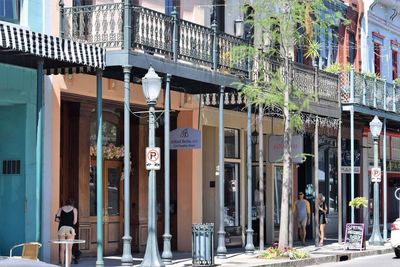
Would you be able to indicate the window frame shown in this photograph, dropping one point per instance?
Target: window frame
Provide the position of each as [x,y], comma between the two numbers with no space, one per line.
[238,143]
[17,6]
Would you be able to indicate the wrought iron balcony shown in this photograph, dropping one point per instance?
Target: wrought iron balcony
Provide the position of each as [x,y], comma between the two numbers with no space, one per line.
[152,32]
[371,92]
[323,86]
[158,34]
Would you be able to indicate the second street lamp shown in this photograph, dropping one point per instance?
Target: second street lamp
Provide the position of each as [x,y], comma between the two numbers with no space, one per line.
[151,83]
[376,127]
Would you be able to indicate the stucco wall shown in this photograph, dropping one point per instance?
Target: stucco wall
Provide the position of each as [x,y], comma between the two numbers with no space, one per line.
[17,142]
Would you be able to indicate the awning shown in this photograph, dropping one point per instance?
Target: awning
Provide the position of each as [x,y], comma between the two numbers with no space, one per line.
[23,47]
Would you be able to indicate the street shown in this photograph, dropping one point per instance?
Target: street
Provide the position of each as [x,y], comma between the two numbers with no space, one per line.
[386,260]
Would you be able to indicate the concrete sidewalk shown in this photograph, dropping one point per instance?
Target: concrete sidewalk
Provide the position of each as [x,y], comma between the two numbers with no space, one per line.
[328,253]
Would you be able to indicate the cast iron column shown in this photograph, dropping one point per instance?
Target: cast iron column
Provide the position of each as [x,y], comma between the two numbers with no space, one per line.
[167,254]
[352,140]
[384,183]
[39,149]
[316,182]
[99,169]
[152,256]
[249,232]
[126,258]
[221,249]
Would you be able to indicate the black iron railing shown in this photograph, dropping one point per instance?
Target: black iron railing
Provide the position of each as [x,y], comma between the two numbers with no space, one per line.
[152,32]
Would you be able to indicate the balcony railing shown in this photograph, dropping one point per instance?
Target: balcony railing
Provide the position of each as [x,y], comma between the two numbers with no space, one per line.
[153,32]
[371,92]
[156,33]
[313,82]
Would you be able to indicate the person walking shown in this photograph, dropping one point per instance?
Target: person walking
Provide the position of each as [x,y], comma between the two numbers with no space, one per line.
[302,211]
[322,218]
[67,216]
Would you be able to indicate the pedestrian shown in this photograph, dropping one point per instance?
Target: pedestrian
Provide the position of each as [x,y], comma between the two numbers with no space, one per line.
[322,218]
[302,211]
[67,216]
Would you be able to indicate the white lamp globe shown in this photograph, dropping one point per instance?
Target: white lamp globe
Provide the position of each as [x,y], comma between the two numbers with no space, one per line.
[151,84]
[375,127]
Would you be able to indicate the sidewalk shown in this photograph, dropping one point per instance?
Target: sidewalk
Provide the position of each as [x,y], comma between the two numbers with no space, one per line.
[236,257]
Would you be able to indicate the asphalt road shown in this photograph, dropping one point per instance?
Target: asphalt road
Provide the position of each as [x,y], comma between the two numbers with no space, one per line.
[386,260]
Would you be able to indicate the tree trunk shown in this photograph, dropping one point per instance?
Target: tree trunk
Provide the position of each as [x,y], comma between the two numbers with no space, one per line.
[261,173]
[286,179]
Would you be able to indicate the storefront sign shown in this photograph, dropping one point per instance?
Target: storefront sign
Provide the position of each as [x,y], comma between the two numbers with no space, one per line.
[185,138]
[275,148]
[153,158]
[393,166]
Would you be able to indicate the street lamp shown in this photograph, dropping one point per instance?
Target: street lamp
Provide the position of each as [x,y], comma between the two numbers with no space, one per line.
[151,83]
[376,127]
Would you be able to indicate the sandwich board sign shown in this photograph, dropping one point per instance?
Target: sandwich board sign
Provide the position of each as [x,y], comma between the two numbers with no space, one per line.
[153,158]
[354,236]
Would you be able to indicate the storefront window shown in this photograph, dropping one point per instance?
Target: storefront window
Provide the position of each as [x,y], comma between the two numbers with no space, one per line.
[232,143]
[232,194]
[327,175]
[110,133]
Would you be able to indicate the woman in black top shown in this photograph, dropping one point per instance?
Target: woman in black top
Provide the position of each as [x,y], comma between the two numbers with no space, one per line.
[322,218]
[67,217]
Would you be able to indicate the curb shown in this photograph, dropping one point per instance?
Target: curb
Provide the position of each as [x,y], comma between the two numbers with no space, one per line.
[327,258]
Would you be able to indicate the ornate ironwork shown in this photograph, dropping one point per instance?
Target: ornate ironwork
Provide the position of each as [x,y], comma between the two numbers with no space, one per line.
[373,92]
[195,43]
[152,31]
[96,24]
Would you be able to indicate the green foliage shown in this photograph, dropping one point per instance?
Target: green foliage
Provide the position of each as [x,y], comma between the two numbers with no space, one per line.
[338,68]
[358,202]
[396,82]
[286,252]
[371,75]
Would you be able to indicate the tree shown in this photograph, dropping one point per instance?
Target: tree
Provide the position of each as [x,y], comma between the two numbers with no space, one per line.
[278,26]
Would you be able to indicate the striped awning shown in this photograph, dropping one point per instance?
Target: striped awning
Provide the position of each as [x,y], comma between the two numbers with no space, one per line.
[59,55]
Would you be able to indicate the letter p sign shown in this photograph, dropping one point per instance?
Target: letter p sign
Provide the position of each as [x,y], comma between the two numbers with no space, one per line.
[153,161]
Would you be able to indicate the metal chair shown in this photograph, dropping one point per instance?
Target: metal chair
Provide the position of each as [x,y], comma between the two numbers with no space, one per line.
[29,250]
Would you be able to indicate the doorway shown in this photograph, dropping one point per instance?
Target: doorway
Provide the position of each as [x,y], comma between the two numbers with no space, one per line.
[112,204]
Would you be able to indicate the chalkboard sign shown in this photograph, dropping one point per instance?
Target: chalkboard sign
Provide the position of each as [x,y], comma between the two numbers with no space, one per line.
[355,236]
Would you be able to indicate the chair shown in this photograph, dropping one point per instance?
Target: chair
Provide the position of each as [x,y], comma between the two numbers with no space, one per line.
[29,250]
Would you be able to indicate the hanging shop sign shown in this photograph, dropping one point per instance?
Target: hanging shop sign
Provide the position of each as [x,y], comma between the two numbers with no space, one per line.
[346,156]
[275,148]
[185,138]
[153,158]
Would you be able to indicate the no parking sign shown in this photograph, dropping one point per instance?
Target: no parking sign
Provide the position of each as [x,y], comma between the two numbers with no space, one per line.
[153,158]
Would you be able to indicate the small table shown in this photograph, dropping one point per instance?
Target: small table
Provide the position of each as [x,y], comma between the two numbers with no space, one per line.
[66,242]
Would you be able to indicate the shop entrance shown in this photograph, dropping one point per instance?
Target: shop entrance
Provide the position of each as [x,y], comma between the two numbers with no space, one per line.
[112,204]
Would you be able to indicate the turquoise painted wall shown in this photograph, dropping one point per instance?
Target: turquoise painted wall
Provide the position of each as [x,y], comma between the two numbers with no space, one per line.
[17,141]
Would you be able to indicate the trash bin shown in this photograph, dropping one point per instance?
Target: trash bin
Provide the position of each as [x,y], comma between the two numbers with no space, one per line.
[203,244]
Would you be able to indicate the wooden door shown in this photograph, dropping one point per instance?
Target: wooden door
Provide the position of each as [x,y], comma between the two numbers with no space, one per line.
[112,206]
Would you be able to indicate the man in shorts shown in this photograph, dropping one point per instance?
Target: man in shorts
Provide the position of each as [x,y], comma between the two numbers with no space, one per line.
[301,208]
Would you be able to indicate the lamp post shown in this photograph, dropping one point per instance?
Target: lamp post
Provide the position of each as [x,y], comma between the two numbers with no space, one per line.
[151,83]
[376,127]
